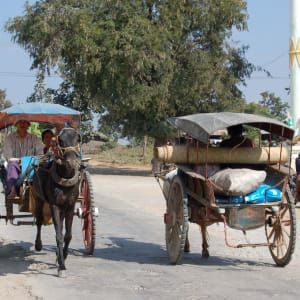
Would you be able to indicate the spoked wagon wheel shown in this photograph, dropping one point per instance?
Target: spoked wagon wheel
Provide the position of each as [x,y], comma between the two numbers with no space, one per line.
[176,220]
[281,230]
[88,221]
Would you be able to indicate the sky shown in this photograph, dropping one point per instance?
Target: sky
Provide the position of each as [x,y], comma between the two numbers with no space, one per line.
[267,38]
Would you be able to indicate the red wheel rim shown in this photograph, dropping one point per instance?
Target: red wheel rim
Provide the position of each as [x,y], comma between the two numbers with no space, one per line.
[86,215]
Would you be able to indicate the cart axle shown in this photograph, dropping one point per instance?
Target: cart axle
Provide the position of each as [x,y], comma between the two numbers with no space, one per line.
[80,213]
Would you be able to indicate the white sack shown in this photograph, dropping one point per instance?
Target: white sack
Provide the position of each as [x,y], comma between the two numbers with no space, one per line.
[238,181]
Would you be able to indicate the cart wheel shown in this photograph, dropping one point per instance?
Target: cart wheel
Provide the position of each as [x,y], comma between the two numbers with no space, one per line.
[176,220]
[281,230]
[88,221]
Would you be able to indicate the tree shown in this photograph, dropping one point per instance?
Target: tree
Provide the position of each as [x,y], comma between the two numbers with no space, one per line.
[274,105]
[138,62]
[40,93]
[4,103]
[257,109]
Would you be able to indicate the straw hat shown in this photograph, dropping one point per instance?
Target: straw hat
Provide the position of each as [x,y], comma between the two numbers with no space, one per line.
[22,118]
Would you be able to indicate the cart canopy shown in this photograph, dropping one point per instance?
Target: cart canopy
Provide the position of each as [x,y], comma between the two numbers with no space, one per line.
[201,126]
[40,112]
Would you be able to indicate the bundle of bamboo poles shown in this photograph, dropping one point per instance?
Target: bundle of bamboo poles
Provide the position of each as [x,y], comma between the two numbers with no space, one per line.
[187,154]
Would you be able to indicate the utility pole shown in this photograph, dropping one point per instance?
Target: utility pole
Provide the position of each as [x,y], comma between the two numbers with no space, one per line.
[294,53]
[295,64]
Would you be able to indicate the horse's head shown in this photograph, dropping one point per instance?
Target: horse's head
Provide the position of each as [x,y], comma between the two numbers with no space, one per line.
[68,142]
[65,167]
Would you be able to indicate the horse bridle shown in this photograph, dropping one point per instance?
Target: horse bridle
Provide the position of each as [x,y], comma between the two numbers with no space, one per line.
[59,157]
[60,151]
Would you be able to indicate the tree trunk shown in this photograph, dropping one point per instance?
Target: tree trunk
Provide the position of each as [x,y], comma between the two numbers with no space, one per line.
[145,146]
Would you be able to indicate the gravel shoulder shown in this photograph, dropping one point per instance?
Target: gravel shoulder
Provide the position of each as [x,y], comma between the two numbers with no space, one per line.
[13,268]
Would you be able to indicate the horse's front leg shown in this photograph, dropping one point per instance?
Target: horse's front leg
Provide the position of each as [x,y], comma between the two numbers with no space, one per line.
[39,223]
[58,225]
[68,233]
[205,252]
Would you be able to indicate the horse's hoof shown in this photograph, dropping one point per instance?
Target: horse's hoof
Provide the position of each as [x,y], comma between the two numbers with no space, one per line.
[61,273]
[205,255]
[38,246]
[186,249]
[186,245]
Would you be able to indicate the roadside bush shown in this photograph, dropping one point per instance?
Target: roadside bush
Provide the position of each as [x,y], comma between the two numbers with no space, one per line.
[107,146]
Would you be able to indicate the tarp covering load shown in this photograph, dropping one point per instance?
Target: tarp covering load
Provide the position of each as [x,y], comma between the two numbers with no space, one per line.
[201,126]
[186,154]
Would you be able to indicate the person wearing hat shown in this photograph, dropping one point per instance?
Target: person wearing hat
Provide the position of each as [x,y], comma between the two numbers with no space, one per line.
[237,139]
[18,144]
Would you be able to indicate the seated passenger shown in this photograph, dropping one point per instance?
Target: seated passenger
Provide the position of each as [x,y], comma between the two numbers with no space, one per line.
[47,136]
[237,139]
[18,144]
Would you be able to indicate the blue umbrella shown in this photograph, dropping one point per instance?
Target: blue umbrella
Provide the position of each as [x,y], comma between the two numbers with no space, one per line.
[54,114]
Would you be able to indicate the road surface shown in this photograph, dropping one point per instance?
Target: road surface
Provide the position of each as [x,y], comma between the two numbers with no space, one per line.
[130,260]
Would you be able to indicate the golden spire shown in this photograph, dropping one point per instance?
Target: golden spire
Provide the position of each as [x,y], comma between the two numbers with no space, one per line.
[294,52]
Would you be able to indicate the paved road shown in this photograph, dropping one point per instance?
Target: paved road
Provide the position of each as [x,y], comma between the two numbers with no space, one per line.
[130,260]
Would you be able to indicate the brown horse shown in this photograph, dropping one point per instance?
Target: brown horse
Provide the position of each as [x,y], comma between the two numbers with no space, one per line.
[57,183]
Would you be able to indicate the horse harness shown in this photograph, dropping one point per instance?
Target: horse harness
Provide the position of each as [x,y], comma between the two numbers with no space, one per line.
[57,158]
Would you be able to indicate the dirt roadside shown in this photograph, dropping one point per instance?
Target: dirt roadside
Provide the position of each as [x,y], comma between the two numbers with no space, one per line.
[102,165]
[12,276]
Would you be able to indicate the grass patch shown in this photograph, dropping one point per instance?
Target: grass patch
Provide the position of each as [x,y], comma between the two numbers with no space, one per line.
[119,154]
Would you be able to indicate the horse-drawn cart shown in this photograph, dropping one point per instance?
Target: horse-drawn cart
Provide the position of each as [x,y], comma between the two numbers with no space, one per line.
[243,188]
[21,210]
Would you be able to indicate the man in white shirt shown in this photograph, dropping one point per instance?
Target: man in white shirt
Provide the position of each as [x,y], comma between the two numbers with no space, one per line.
[18,144]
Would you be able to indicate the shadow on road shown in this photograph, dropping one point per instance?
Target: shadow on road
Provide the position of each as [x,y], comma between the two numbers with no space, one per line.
[14,257]
[128,250]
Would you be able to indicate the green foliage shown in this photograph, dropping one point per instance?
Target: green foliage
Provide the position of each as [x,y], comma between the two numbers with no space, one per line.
[269,106]
[108,146]
[137,62]
[4,103]
[139,141]
[257,109]
[86,131]
[35,129]
[274,105]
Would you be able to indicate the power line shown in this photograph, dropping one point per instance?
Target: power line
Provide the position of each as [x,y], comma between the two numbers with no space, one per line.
[19,74]
[269,78]
[275,59]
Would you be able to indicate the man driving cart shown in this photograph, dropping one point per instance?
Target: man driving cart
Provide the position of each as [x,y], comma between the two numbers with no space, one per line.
[17,145]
